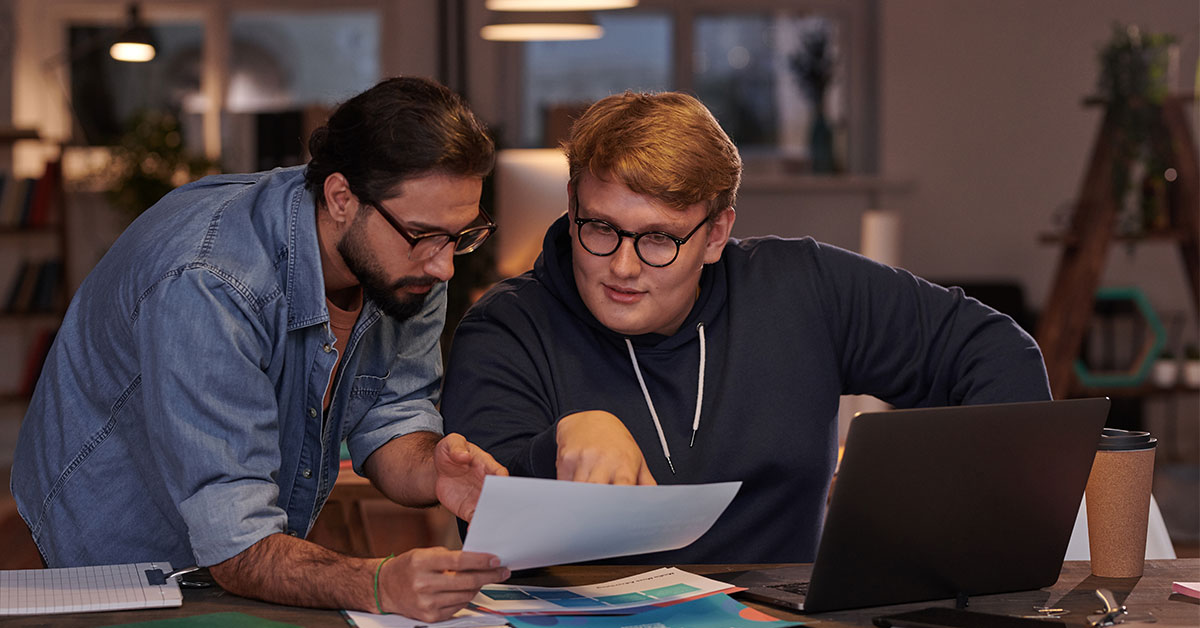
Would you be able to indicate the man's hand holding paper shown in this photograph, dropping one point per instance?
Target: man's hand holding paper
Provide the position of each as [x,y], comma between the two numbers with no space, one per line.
[461,467]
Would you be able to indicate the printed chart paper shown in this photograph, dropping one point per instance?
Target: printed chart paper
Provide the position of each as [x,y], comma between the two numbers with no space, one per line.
[717,611]
[652,588]
[533,522]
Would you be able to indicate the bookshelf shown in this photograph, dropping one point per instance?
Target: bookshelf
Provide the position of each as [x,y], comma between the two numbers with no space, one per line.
[33,265]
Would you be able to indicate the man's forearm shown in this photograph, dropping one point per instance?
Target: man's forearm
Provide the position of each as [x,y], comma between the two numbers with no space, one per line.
[287,570]
[402,469]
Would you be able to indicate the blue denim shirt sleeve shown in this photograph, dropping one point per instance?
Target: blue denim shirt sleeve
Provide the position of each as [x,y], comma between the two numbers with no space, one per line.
[211,412]
[179,414]
[407,402]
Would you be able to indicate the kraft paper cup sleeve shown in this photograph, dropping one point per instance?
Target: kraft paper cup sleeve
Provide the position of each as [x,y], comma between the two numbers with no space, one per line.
[1118,504]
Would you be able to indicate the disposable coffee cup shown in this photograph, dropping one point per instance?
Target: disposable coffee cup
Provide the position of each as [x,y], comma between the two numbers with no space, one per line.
[1118,502]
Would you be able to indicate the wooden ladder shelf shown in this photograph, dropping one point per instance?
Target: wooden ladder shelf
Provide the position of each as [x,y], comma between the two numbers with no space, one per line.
[1063,324]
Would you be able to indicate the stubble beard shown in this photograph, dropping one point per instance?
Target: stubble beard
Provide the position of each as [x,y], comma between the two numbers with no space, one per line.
[376,287]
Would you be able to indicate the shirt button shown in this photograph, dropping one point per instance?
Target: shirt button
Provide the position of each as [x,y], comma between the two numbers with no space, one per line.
[307,473]
[292,533]
[327,348]
[312,412]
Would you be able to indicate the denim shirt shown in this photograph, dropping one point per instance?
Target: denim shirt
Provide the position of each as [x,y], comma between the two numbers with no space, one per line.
[179,414]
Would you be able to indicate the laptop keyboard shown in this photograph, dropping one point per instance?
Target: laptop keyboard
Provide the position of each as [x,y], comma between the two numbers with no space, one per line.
[799,588]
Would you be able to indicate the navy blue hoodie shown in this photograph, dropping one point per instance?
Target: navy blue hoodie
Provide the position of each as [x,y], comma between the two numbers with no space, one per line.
[789,325]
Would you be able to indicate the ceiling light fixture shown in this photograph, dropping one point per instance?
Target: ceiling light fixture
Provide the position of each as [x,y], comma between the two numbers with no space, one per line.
[559,5]
[522,26]
[136,44]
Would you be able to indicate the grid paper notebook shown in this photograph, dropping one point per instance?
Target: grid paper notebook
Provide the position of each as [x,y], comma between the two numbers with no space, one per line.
[84,589]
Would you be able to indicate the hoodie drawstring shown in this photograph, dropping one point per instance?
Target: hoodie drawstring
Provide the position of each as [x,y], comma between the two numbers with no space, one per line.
[662,439]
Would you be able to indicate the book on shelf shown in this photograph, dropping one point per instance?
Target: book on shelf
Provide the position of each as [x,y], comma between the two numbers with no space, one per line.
[14,287]
[46,288]
[30,203]
[35,287]
[26,202]
[21,295]
[44,197]
[17,192]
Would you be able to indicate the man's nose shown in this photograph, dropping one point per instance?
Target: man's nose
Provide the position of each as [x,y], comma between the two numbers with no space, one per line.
[625,261]
[441,265]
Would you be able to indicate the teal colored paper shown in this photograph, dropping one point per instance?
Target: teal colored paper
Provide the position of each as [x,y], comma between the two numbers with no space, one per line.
[667,591]
[714,611]
[626,598]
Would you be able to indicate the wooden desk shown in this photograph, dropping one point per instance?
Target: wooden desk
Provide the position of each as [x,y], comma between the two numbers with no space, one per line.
[1073,591]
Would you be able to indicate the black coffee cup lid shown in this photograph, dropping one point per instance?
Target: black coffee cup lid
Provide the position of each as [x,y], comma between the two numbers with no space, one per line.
[1113,439]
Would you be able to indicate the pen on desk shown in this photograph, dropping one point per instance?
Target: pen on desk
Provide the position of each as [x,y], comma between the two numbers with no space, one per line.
[180,572]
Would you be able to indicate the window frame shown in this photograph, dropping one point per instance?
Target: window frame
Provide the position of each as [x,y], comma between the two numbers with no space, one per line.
[41,73]
[859,33]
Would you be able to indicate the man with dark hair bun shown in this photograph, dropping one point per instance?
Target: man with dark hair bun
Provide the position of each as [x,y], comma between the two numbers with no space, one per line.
[194,402]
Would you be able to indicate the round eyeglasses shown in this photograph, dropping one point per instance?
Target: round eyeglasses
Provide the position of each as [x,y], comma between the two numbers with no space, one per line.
[655,248]
[427,245]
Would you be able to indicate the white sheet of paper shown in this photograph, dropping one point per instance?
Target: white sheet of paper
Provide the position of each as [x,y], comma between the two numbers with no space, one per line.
[462,619]
[531,522]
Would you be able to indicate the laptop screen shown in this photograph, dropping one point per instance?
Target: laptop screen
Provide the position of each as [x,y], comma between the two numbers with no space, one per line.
[937,502]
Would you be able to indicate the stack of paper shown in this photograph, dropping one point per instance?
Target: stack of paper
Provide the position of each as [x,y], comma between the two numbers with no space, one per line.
[663,598]
[654,588]
[716,611]
[530,522]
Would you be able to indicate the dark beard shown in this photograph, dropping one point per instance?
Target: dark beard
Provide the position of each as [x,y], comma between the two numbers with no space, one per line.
[376,286]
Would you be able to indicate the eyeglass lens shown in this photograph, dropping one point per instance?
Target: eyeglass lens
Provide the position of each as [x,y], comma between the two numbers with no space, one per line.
[466,242]
[601,238]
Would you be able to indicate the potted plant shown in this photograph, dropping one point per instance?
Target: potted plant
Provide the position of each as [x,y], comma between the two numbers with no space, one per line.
[150,160]
[1133,84]
[814,66]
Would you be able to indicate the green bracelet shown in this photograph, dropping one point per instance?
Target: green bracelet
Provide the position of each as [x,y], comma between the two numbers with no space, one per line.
[378,569]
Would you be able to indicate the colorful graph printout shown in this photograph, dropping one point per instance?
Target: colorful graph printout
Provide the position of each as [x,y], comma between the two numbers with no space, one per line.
[714,611]
[668,585]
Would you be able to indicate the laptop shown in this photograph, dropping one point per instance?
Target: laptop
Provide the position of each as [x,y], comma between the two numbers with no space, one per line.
[939,503]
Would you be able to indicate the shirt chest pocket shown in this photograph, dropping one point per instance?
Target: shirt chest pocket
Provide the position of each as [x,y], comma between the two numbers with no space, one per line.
[364,391]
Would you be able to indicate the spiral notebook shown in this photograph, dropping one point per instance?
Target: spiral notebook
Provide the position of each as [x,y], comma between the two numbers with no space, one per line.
[86,589]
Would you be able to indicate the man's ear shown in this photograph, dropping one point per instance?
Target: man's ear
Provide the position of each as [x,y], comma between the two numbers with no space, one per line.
[340,202]
[718,233]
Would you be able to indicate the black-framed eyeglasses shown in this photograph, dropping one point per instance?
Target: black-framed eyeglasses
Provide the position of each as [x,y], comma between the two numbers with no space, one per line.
[655,248]
[427,245]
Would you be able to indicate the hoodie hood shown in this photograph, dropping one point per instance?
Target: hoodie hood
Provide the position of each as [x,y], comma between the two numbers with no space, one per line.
[554,269]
